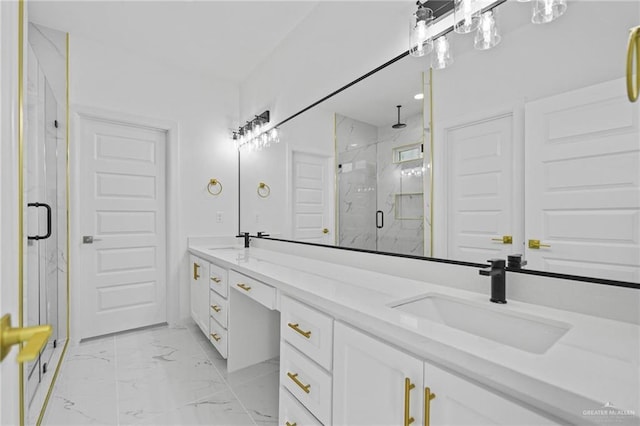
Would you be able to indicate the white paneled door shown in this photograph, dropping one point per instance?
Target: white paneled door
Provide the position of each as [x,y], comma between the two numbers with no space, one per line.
[122,222]
[480,190]
[582,183]
[312,213]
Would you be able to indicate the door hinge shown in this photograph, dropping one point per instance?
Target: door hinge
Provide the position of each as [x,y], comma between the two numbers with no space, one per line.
[55,344]
[44,368]
[55,123]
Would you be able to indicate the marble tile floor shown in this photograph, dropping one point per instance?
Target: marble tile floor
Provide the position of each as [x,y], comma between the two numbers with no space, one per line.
[160,376]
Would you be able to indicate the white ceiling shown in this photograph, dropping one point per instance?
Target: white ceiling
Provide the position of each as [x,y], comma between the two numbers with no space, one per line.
[227,39]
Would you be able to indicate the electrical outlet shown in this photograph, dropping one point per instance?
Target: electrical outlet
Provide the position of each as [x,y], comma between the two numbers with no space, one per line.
[218,217]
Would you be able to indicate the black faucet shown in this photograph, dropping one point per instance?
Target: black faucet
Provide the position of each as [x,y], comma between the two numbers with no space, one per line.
[244,235]
[262,234]
[498,280]
[514,261]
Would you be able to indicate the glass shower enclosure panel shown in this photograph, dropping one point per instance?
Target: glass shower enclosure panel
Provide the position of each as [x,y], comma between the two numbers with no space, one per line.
[45,171]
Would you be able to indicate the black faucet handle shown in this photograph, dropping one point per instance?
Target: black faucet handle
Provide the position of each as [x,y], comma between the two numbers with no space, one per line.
[515,261]
[262,234]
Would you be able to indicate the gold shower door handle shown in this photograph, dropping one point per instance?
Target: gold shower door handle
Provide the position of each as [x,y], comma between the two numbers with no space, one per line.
[506,239]
[34,338]
[535,244]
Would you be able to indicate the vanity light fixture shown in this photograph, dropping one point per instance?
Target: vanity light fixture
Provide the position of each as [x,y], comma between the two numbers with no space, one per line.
[441,57]
[545,11]
[466,15]
[254,135]
[420,37]
[487,35]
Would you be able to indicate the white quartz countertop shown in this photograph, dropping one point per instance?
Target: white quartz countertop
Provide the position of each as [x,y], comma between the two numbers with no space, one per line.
[591,375]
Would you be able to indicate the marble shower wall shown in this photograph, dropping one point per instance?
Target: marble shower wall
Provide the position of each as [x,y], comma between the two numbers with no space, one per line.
[400,190]
[369,180]
[356,147]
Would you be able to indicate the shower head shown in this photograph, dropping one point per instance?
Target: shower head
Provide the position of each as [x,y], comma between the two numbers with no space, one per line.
[399,125]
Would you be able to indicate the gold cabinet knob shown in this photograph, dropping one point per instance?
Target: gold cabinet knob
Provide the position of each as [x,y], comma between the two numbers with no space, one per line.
[325,230]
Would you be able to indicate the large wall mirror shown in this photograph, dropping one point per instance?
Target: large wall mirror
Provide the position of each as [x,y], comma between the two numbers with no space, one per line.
[533,149]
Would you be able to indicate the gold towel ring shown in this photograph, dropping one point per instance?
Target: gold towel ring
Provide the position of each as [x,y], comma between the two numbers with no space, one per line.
[213,183]
[633,87]
[263,190]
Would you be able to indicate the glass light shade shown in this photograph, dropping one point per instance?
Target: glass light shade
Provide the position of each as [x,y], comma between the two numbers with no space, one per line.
[441,57]
[420,39]
[545,11]
[487,35]
[466,15]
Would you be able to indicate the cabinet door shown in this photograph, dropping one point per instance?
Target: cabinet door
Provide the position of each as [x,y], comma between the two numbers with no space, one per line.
[369,381]
[199,287]
[460,402]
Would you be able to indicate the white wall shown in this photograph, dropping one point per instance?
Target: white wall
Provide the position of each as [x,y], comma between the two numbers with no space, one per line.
[203,109]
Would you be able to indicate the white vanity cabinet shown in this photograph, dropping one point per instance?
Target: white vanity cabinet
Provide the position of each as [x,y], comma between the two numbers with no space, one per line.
[305,364]
[376,383]
[218,308]
[199,287]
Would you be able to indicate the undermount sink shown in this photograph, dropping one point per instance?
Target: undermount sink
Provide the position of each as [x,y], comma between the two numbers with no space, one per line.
[523,331]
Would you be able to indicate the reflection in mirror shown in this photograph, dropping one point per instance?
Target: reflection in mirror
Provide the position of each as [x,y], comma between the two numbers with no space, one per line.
[45,177]
[535,140]
[349,172]
[535,151]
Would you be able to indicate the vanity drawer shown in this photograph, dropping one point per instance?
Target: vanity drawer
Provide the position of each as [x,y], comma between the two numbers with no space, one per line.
[218,337]
[258,291]
[293,413]
[308,330]
[309,383]
[218,280]
[218,308]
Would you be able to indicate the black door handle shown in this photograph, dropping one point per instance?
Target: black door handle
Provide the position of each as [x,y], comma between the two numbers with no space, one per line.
[379,219]
[48,234]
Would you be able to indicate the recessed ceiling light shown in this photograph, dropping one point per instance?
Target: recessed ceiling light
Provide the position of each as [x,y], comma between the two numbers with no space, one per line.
[419,96]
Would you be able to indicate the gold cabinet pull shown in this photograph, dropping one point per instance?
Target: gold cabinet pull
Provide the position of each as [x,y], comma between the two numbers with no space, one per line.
[428,396]
[195,271]
[306,334]
[216,308]
[302,386]
[633,87]
[244,286]
[34,337]
[215,279]
[506,239]
[215,337]
[325,230]
[407,397]
[535,244]
[290,424]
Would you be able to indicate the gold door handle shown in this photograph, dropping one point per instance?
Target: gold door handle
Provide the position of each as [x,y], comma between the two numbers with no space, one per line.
[302,386]
[325,230]
[215,337]
[215,279]
[633,87]
[506,239]
[195,271]
[244,286]
[290,424]
[34,337]
[428,396]
[535,244]
[407,397]
[306,334]
[216,308]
